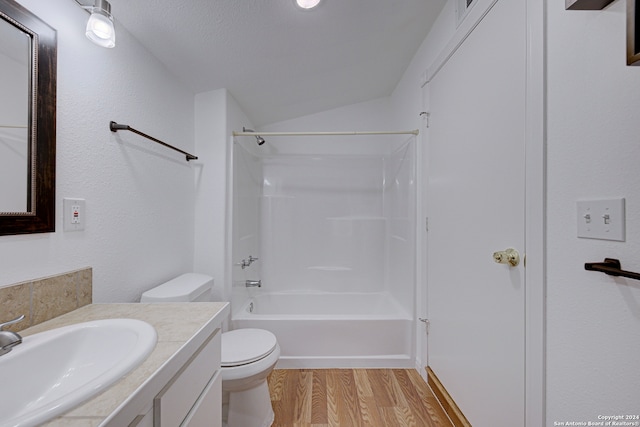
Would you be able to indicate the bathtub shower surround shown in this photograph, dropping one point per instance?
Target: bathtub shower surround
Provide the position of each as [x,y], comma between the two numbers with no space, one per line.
[333,225]
[43,299]
[322,224]
[328,330]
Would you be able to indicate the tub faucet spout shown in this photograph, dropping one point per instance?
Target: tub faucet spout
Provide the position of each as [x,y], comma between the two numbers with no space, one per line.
[253,283]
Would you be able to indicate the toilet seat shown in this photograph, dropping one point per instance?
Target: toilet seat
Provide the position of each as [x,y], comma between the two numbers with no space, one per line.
[244,346]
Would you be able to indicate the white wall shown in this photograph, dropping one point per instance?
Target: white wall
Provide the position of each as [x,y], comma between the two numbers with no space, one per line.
[139,195]
[593,321]
[140,198]
[211,179]
[407,103]
[217,115]
[374,115]
[406,100]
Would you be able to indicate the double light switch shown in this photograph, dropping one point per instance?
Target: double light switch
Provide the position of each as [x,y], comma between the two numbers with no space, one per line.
[601,219]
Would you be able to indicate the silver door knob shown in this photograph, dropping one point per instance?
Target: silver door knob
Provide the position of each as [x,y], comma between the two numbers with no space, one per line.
[508,256]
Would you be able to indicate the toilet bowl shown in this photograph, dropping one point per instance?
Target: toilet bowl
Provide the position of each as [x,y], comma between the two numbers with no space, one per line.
[248,356]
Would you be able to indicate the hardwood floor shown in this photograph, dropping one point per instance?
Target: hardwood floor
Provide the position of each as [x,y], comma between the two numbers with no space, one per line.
[353,398]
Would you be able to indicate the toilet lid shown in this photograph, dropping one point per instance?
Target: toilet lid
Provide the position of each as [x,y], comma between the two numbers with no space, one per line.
[185,288]
[242,346]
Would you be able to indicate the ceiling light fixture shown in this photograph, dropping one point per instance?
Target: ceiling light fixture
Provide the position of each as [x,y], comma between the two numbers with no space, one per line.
[307,4]
[100,28]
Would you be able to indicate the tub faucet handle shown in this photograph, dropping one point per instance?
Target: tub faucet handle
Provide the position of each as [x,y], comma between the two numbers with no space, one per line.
[253,283]
[246,263]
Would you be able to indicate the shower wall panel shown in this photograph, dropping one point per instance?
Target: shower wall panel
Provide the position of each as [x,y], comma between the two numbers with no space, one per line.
[247,192]
[322,224]
[399,209]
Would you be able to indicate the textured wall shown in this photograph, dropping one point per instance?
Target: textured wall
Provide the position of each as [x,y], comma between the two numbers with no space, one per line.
[210,181]
[593,333]
[406,105]
[139,195]
[217,116]
[593,321]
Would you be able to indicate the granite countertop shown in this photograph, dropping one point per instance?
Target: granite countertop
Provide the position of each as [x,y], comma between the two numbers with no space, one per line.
[181,329]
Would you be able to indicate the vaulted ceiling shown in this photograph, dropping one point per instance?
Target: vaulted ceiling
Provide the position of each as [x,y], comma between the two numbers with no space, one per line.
[278,61]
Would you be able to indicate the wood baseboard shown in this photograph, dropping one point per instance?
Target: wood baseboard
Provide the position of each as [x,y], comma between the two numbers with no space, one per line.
[449,406]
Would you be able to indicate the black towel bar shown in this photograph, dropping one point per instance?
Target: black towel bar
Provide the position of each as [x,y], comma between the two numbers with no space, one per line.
[116,127]
[611,267]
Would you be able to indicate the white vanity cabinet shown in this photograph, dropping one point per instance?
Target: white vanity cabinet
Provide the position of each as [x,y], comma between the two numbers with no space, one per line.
[143,420]
[208,409]
[193,398]
[179,383]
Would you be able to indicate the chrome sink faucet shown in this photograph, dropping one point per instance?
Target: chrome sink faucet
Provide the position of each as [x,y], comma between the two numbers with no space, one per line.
[9,339]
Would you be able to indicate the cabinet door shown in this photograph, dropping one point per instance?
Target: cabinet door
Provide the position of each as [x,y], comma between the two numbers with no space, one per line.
[207,412]
[174,402]
[145,420]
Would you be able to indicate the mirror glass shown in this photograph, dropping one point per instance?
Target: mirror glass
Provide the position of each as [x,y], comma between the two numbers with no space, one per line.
[28,51]
[15,129]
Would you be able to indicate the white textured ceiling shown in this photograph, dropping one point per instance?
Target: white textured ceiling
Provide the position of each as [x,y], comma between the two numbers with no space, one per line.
[277,61]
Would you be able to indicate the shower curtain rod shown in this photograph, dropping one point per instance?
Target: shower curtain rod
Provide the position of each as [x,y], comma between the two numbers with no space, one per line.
[405,132]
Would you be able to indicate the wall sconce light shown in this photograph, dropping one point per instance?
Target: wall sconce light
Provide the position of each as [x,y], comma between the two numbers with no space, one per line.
[100,28]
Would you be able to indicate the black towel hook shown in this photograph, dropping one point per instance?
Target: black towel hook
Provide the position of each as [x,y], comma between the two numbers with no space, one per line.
[612,267]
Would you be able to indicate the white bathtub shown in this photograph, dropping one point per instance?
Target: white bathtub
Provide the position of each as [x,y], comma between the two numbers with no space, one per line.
[333,330]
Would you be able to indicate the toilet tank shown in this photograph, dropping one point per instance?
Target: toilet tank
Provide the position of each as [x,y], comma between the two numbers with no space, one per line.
[189,287]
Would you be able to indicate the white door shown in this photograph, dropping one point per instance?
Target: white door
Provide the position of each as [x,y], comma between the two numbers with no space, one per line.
[475,205]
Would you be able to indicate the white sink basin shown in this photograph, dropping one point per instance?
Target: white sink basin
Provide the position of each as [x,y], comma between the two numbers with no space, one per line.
[54,371]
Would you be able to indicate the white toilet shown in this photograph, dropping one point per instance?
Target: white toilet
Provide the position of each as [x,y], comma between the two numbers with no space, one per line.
[248,356]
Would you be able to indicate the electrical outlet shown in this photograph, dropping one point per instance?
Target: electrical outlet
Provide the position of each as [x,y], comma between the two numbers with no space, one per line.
[74,214]
[601,219]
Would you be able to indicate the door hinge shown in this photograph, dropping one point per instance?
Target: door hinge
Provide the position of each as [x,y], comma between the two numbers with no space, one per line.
[425,118]
[426,323]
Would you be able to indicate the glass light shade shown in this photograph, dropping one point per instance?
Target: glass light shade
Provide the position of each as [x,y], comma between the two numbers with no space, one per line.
[100,29]
[307,4]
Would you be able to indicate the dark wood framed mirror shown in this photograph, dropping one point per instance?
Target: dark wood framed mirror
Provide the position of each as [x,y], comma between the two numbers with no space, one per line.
[28,55]
[633,33]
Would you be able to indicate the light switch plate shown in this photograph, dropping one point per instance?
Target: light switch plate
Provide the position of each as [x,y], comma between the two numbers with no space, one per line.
[601,219]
